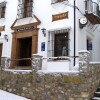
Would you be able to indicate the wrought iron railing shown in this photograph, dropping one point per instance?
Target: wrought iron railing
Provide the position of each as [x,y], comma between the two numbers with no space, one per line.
[92,7]
[55,50]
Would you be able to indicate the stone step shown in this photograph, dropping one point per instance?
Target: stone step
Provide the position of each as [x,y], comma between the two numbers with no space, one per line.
[97,94]
[23,67]
[95,98]
[98,89]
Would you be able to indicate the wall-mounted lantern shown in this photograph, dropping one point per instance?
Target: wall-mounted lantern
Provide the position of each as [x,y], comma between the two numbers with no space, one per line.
[44,31]
[6,37]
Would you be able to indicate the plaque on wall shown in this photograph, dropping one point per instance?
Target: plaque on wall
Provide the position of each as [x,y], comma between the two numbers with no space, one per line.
[25,28]
[43,46]
[60,16]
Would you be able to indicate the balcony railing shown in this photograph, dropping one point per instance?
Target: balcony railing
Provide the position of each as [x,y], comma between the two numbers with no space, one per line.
[92,11]
[92,7]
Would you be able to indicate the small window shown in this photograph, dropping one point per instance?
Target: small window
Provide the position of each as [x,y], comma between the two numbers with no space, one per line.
[58,43]
[2,10]
[56,1]
[25,8]
[61,44]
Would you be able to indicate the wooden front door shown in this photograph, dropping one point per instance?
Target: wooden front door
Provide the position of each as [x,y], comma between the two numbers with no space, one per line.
[24,51]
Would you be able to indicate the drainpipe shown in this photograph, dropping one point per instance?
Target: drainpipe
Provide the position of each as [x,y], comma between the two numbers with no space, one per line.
[74,32]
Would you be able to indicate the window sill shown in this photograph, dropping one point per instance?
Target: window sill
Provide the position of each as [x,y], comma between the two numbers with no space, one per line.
[58,2]
[58,58]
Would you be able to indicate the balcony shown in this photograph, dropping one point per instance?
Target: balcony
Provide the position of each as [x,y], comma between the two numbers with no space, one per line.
[92,12]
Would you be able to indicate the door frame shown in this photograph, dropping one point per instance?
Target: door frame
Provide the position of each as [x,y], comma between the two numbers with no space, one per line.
[19,35]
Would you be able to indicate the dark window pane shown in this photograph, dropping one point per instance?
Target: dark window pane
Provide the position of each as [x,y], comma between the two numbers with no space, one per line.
[61,44]
[3,11]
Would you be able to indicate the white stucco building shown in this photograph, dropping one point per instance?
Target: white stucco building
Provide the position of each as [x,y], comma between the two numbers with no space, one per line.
[25,23]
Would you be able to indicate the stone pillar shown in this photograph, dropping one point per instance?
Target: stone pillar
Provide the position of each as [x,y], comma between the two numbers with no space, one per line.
[5,62]
[36,62]
[84,57]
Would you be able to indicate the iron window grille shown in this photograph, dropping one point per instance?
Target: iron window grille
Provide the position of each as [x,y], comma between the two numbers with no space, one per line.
[58,43]
[25,9]
[2,9]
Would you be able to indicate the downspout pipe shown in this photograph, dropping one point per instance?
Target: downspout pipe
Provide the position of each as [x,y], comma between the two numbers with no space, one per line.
[74,32]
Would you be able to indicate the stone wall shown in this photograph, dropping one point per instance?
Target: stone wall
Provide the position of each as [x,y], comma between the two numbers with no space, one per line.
[54,86]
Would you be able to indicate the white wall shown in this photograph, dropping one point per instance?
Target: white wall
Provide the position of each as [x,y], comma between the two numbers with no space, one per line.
[10,16]
[96,45]
[89,31]
[44,11]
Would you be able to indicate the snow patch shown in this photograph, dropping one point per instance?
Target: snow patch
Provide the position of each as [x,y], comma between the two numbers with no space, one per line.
[97,92]
[56,73]
[96,98]
[83,51]
[24,21]
[94,62]
[18,71]
[9,96]
[76,68]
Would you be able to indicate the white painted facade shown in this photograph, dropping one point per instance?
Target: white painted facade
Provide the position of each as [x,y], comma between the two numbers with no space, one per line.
[44,10]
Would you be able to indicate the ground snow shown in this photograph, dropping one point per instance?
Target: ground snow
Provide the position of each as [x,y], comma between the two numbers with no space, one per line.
[76,68]
[9,96]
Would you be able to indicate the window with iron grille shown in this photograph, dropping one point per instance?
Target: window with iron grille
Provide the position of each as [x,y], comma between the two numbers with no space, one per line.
[25,8]
[58,43]
[56,1]
[2,9]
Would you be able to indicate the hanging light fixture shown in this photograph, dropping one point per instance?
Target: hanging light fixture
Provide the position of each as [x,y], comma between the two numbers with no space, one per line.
[44,31]
[6,37]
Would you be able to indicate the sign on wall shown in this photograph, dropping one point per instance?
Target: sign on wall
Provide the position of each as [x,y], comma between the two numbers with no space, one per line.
[43,46]
[25,28]
[60,16]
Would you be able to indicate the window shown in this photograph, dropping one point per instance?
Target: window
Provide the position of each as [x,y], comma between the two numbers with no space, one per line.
[88,6]
[25,8]
[56,1]
[58,44]
[89,44]
[2,9]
